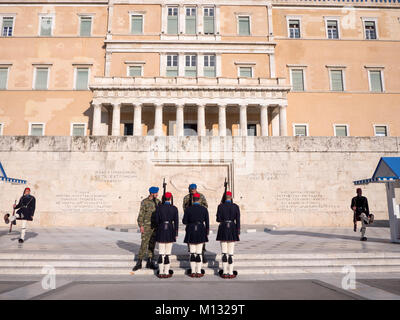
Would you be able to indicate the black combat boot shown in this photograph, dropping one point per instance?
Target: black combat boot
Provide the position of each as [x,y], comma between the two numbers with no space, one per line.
[138,265]
[150,264]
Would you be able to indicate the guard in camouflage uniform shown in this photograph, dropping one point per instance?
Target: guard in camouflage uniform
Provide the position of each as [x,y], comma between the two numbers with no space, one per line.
[188,201]
[147,228]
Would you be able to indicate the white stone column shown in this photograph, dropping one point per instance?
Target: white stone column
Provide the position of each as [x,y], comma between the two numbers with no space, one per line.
[137,120]
[199,19]
[158,120]
[282,121]
[164,13]
[201,120]
[264,120]
[275,122]
[116,120]
[96,120]
[222,120]
[243,120]
[179,120]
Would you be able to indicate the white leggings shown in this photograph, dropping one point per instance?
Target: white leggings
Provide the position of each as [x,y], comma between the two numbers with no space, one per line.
[364,220]
[164,249]
[23,225]
[196,258]
[227,249]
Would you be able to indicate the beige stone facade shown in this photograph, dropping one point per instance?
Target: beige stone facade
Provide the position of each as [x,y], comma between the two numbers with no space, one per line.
[279,67]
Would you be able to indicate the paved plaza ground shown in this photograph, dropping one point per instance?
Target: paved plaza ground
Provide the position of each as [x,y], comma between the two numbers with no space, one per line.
[285,241]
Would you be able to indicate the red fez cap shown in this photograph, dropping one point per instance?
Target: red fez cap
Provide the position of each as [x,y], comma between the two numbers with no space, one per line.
[168,195]
[228,193]
[196,195]
[27,189]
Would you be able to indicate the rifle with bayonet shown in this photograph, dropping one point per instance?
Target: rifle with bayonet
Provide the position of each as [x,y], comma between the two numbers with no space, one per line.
[164,191]
[225,189]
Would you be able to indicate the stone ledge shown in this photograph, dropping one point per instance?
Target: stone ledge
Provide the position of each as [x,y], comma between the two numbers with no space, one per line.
[210,145]
[213,229]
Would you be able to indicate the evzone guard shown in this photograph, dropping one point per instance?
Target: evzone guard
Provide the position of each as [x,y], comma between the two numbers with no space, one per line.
[26,210]
[359,205]
[228,216]
[167,221]
[196,220]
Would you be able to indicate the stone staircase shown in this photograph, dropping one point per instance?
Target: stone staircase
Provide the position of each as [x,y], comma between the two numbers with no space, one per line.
[72,264]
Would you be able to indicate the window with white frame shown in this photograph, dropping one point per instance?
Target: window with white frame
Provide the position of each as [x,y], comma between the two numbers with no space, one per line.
[209,66]
[375,80]
[297,78]
[208,20]
[381,130]
[341,130]
[41,78]
[172,20]
[246,72]
[190,65]
[78,129]
[134,71]
[294,28]
[82,79]
[46,26]
[332,29]
[172,65]
[1,129]
[3,78]
[300,130]
[85,26]
[7,27]
[244,25]
[36,129]
[137,24]
[190,20]
[370,29]
[336,80]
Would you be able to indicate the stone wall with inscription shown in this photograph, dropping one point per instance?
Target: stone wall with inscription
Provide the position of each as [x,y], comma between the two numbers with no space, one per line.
[288,181]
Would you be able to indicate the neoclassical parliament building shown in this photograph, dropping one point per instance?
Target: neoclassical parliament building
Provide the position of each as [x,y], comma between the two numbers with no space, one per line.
[207,68]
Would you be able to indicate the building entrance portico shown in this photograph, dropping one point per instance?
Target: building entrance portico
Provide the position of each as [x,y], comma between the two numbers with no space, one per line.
[174,106]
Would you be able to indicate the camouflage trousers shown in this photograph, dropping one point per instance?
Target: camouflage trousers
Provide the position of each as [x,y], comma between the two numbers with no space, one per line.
[148,244]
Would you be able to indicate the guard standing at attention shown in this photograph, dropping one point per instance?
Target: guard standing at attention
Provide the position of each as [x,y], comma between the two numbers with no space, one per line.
[167,222]
[196,220]
[228,216]
[188,201]
[146,224]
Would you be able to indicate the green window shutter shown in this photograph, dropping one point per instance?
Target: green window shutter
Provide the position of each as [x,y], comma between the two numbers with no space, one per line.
[172,71]
[82,77]
[36,130]
[300,130]
[137,24]
[381,131]
[1,129]
[190,24]
[41,78]
[337,80]
[190,72]
[245,72]
[209,72]
[45,26]
[7,26]
[208,25]
[341,131]
[86,27]
[244,26]
[78,129]
[3,78]
[135,71]
[172,25]
[376,81]
[297,80]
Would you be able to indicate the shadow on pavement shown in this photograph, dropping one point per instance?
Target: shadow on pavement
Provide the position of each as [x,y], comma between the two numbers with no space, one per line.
[28,235]
[326,235]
